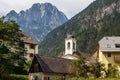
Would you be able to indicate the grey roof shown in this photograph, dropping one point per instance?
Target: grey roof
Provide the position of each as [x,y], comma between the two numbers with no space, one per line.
[109,44]
[49,64]
[28,38]
[77,54]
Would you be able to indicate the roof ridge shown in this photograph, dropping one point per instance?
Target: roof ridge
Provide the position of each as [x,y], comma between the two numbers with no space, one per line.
[51,56]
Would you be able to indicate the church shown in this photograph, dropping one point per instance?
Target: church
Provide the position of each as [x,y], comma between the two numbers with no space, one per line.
[47,68]
[71,49]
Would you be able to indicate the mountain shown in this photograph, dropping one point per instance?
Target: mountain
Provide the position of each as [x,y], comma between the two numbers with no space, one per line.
[38,20]
[101,18]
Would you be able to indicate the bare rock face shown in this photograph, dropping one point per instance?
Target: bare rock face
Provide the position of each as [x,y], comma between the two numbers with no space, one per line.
[38,20]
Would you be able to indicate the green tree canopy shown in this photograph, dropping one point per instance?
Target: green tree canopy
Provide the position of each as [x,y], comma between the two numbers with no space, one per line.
[79,67]
[10,51]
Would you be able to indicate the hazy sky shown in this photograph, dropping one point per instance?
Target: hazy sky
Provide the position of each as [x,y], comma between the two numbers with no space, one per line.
[68,7]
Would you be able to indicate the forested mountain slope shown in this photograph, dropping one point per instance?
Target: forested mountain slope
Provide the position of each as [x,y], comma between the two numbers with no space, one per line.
[101,18]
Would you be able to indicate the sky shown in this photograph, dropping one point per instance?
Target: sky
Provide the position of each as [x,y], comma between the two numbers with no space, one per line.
[69,7]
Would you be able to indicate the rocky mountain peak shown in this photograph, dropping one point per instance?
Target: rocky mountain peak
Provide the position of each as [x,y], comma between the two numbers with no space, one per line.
[13,12]
[10,15]
[36,5]
[38,20]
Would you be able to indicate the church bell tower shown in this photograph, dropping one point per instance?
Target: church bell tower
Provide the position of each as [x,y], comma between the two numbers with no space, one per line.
[70,44]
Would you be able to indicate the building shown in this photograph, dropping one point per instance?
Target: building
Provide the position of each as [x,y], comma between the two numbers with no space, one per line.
[27,43]
[70,47]
[70,44]
[108,51]
[47,68]
[30,45]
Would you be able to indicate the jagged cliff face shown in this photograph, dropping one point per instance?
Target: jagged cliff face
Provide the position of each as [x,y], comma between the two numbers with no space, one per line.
[38,20]
[100,18]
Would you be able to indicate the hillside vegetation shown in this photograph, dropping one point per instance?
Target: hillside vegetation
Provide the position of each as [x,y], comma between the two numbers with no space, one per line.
[101,18]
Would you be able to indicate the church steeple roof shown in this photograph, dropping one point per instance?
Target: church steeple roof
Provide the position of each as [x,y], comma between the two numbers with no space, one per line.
[69,36]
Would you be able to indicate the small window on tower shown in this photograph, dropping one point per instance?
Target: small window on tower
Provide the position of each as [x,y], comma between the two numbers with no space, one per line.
[68,45]
[73,45]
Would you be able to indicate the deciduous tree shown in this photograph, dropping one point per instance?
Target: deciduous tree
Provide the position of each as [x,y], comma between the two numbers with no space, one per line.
[10,51]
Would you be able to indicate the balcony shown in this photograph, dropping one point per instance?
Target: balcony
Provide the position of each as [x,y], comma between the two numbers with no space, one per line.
[117,58]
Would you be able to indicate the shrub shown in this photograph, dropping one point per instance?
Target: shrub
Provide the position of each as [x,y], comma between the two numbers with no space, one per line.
[113,71]
[99,69]
[14,77]
[17,77]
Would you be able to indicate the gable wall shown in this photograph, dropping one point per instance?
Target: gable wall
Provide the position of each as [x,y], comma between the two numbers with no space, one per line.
[106,60]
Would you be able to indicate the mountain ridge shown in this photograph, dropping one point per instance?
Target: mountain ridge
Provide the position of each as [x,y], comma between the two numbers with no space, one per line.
[88,27]
[38,20]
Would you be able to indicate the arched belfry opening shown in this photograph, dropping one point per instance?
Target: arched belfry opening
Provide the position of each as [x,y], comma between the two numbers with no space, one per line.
[68,45]
[74,45]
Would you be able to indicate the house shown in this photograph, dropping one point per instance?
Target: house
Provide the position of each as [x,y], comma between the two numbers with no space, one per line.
[30,45]
[108,51]
[27,43]
[47,68]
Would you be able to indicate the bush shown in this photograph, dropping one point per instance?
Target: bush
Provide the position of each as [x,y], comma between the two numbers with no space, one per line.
[15,77]
[113,71]
[75,78]
[81,78]
[99,70]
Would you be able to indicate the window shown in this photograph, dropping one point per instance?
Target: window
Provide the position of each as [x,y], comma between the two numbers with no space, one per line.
[109,65]
[31,55]
[36,78]
[48,78]
[73,45]
[108,54]
[68,45]
[32,46]
[45,78]
[117,45]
